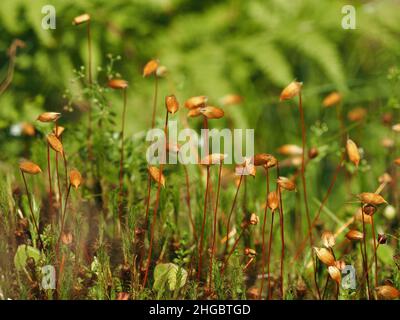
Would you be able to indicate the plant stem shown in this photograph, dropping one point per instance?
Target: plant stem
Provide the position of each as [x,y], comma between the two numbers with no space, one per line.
[49,175]
[263,235]
[232,250]
[188,202]
[366,273]
[269,255]
[153,224]
[231,211]
[215,224]
[153,118]
[58,184]
[121,163]
[303,178]
[203,225]
[281,224]
[31,209]
[375,247]
[90,80]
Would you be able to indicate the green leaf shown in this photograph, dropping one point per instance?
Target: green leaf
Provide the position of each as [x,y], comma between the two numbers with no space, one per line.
[23,253]
[169,274]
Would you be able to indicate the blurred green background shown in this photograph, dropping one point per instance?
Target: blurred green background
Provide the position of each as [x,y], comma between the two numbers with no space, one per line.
[251,48]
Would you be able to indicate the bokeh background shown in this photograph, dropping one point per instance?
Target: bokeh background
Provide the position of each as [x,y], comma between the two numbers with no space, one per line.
[249,48]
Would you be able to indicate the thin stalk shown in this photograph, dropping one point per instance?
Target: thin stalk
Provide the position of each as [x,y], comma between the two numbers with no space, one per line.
[121,163]
[215,224]
[303,178]
[153,224]
[49,175]
[203,225]
[145,219]
[188,202]
[231,211]
[269,255]
[232,250]
[375,247]
[363,262]
[90,80]
[31,209]
[58,183]
[153,118]
[263,235]
[366,273]
[281,224]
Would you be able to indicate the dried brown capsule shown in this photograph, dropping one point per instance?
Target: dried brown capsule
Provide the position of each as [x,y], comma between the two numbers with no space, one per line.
[371,198]
[196,102]
[382,238]
[29,167]
[332,99]
[354,235]
[117,84]
[75,178]
[171,103]
[211,112]
[328,239]
[335,274]
[81,19]
[286,183]
[273,200]
[292,90]
[325,256]
[150,67]
[387,292]
[55,143]
[290,150]
[49,117]
[264,159]
[155,174]
[369,209]
[352,152]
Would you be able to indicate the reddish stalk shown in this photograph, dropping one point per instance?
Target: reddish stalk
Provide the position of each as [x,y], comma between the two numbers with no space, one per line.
[263,236]
[231,211]
[90,80]
[366,273]
[31,209]
[232,250]
[375,247]
[188,202]
[153,118]
[303,178]
[153,224]
[145,219]
[269,255]
[203,226]
[281,224]
[121,163]
[215,224]
[49,175]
